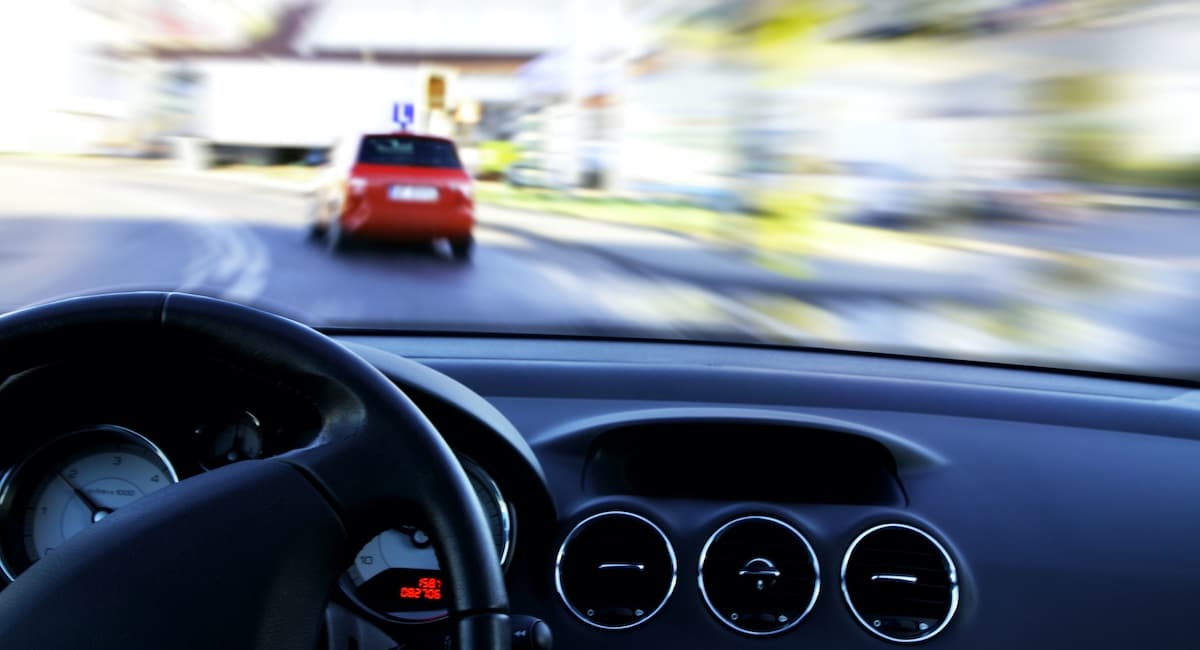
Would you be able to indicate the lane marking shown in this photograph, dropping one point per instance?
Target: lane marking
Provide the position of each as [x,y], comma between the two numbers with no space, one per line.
[228,258]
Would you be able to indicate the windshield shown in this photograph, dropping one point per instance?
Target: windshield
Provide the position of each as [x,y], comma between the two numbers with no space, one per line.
[1004,180]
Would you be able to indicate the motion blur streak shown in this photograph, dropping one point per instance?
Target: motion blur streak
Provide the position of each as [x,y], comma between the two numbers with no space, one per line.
[1001,179]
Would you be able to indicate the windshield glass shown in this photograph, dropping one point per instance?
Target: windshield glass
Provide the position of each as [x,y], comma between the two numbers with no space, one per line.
[1007,180]
[407,152]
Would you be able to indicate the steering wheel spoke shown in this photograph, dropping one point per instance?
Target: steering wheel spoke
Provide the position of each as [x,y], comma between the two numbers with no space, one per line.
[377,473]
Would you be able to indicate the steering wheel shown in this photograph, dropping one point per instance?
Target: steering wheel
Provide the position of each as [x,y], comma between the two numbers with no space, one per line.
[245,556]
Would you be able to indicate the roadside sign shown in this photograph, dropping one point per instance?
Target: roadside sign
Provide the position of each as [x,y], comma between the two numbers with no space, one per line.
[403,114]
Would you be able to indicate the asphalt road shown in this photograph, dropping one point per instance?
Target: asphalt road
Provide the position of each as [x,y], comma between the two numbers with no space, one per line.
[82,226]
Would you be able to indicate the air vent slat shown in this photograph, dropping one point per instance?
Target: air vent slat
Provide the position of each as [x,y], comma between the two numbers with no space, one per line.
[900,611]
[615,570]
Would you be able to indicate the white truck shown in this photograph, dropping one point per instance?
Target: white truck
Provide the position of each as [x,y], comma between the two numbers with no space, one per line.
[256,109]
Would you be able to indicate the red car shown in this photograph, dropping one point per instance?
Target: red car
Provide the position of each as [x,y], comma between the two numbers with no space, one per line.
[396,187]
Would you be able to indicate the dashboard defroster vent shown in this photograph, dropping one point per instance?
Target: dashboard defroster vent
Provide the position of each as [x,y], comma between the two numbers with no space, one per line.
[900,583]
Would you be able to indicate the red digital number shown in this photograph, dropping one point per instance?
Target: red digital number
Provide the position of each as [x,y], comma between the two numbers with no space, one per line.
[433,594]
[429,583]
[410,592]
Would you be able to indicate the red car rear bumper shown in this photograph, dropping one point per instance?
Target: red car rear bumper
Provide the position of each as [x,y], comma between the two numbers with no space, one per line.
[409,222]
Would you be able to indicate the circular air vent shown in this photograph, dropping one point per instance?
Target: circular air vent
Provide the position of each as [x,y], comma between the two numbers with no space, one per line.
[900,583]
[615,570]
[759,575]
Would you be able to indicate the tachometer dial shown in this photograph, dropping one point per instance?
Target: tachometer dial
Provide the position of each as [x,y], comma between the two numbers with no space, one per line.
[72,483]
[396,575]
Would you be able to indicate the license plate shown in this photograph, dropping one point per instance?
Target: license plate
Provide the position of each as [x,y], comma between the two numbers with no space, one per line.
[416,193]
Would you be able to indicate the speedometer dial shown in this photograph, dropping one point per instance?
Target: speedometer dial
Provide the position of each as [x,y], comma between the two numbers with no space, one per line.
[71,484]
[397,575]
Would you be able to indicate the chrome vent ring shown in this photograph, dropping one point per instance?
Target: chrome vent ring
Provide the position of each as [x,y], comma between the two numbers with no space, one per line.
[900,583]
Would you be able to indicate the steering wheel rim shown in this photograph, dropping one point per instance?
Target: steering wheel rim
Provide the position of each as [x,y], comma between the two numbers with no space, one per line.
[296,518]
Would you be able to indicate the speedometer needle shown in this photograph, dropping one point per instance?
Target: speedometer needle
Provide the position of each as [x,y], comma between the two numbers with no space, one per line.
[98,512]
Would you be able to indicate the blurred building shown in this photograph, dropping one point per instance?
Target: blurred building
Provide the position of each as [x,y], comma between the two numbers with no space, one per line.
[333,68]
[818,103]
[568,119]
[616,111]
[58,96]
[263,74]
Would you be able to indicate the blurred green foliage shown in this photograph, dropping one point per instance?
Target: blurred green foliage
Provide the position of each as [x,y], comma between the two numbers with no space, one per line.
[1074,93]
[1084,147]
[1096,154]
[496,156]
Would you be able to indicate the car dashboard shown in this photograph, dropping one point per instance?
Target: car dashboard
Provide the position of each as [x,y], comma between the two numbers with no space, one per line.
[658,494]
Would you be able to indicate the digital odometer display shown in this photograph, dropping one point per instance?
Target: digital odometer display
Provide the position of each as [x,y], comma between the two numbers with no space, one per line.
[405,590]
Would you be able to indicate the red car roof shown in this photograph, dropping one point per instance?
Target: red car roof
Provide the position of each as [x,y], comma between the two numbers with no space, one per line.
[408,134]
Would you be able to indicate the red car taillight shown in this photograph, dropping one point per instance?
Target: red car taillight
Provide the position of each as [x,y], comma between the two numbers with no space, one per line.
[464,191]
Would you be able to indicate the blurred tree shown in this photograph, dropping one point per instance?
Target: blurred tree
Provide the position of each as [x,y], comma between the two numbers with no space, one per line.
[1077,141]
[1084,144]
[1074,93]
[780,42]
[780,34]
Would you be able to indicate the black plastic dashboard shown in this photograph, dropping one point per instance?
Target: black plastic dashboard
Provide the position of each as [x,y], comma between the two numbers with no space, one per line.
[1048,510]
[1067,503]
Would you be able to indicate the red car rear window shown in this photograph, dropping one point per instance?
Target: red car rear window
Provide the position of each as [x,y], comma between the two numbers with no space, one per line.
[408,152]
